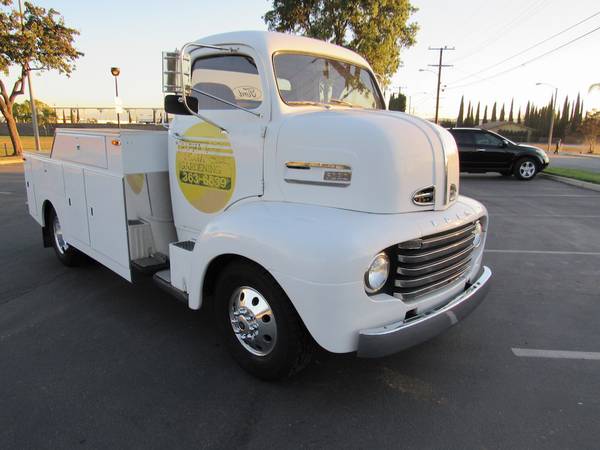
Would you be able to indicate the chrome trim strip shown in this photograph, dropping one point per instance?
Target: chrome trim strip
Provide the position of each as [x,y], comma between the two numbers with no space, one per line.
[427,268]
[318,183]
[442,239]
[438,252]
[443,273]
[306,165]
[409,295]
[394,337]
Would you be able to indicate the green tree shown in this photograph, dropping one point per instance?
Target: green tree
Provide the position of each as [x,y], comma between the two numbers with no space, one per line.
[376,29]
[485,119]
[590,128]
[502,114]
[43,42]
[494,118]
[461,112]
[46,115]
[519,116]
[398,102]
[510,114]
[477,115]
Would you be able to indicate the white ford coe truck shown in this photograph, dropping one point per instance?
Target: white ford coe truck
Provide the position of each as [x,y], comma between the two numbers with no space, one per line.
[283,195]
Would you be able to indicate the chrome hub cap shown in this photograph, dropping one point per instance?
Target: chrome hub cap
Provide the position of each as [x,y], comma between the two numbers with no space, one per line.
[61,244]
[253,321]
[527,169]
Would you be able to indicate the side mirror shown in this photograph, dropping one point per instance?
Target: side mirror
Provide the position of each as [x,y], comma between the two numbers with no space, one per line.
[174,105]
[504,143]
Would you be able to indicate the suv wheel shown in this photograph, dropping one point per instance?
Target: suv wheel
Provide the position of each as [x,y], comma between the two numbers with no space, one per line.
[526,169]
[261,328]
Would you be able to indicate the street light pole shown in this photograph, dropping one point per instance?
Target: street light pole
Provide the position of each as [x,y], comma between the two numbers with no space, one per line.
[115,71]
[34,121]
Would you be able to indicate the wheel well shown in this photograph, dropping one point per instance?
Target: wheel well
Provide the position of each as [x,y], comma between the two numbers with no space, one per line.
[46,237]
[215,267]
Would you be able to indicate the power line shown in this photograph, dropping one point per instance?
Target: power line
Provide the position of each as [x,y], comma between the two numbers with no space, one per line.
[528,61]
[529,48]
[525,14]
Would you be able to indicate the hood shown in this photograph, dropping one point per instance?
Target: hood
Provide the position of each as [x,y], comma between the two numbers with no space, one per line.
[366,160]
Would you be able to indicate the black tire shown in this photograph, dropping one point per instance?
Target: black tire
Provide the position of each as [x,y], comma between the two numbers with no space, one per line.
[526,169]
[291,348]
[67,254]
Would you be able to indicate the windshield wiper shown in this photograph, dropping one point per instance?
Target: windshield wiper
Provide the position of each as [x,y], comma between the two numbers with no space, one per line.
[341,102]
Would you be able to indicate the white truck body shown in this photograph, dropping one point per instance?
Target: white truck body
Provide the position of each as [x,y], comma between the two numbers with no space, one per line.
[308,193]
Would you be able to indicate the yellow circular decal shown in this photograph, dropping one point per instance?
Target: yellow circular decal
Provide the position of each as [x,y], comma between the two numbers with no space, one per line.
[135,182]
[205,168]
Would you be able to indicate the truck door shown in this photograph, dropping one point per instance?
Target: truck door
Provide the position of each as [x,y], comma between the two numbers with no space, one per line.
[210,169]
[75,222]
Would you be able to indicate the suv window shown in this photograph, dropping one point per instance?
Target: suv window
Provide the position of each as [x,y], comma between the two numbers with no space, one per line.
[231,77]
[462,137]
[487,139]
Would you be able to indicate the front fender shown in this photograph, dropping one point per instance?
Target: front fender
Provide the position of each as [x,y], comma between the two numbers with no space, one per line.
[313,243]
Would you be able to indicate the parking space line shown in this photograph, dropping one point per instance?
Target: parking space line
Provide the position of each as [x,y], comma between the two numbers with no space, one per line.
[5,193]
[556,354]
[537,196]
[542,252]
[551,216]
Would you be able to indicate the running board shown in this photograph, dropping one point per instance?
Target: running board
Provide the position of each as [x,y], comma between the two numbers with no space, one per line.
[163,280]
[150,264]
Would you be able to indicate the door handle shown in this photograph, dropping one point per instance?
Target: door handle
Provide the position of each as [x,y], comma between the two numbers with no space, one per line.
[92,211]
[480,149]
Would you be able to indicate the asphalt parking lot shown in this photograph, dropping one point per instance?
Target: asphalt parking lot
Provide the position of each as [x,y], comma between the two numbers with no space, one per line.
[88,360]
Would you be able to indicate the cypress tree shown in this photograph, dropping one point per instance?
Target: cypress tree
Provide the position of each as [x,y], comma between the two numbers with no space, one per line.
[468,122]
[527,112]
[502,114]
[510,114]
[485,120]
[461,110]
[477,115]
[519,116]
[494,118]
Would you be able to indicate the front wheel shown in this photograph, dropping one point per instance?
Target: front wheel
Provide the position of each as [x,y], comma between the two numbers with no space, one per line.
[259,324]
[526,169]
[67,254]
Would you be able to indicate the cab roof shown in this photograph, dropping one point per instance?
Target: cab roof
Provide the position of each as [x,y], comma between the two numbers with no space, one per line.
[268,42]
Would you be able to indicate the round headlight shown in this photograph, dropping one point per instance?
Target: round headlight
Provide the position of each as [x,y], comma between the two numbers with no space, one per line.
[477,235]
[377,274]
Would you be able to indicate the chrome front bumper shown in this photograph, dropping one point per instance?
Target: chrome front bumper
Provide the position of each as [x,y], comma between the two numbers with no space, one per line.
[392,338]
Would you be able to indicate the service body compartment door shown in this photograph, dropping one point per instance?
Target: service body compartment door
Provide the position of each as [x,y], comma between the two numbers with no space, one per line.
[76,218]
[107,220]
[31,203]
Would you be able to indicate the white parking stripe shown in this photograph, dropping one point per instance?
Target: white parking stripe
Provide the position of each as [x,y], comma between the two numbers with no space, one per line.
[5,193]
[542,252]
[557,354]
[551,216]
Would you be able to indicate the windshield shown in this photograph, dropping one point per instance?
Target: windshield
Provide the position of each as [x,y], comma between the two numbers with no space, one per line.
[306,79]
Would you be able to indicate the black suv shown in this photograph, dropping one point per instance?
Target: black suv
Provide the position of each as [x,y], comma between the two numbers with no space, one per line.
[484,151]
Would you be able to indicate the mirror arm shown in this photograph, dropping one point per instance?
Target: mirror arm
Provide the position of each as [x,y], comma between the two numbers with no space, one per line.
[184,96]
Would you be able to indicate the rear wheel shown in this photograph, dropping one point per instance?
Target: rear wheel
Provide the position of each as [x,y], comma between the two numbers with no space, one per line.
[67,254]
[526,169]
[262,330]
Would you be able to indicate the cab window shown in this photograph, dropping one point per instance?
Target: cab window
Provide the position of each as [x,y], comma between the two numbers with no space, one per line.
[462,138]
[233,78]
[488,140]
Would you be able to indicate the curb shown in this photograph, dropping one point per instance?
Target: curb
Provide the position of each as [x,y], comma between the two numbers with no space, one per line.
[572,182]
[4,161]
[581,155]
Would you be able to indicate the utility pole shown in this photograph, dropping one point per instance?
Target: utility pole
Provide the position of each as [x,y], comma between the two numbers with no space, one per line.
[439,65]
[34,121]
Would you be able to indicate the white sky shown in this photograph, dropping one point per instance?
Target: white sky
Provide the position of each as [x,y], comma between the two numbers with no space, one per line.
[132,34]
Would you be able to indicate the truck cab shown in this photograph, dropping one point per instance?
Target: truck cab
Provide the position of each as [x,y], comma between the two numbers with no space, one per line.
[286,197]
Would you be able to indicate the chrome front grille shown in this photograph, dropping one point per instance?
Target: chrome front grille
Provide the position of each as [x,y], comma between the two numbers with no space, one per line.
[432,262]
